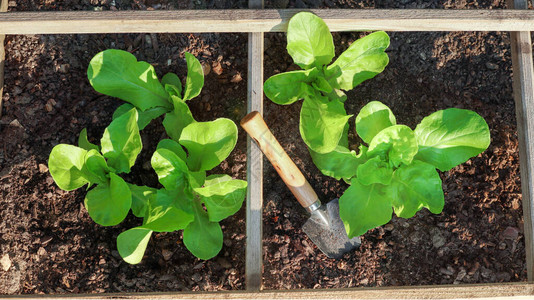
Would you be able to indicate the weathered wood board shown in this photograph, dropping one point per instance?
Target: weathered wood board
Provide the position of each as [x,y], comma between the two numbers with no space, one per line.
[254,247]
[268,20]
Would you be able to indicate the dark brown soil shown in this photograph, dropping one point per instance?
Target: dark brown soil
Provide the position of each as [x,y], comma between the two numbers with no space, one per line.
[54,247]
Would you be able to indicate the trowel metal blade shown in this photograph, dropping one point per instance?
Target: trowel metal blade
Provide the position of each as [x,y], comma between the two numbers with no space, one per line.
[331,239]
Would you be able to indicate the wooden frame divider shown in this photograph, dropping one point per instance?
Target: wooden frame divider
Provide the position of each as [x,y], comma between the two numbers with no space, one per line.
[254,202]
[266,20]
[523,86]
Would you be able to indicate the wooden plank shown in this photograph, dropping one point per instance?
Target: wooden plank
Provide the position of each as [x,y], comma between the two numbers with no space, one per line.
[3,8]
[254,247]
[478,291]
[523,78]
[270,20]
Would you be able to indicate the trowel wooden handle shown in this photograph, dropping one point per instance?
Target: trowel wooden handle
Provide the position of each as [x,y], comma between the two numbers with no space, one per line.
[254,124]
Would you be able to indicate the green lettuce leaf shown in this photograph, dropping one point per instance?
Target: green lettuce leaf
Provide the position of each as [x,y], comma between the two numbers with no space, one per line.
[117,73]
[309,41]
[203,238]
[172,84]
[322,123]
[173,146]
[66,164]
[143,117]
[97,167]
[197,179]
[364,207]
[164,214]
[289,87]
[450,137]
[222,195]
[340,163]
[172,171]
[176,120]
[373,118]
[141,195]
[121,142]
[363,60]
[375,170]
[416,186]
[208,143]
[132,243]
[195,77]
[396,143]
[322,85]
[84,143]
[109,204]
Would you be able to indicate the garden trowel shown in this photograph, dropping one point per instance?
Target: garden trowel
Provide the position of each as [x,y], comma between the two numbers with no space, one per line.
[324,226]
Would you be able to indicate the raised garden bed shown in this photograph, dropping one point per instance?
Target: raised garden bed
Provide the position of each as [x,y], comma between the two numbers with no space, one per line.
[54,247]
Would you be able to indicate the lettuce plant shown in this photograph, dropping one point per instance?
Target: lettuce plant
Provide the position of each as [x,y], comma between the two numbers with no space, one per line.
[190,200]
[323,119]
[395,169]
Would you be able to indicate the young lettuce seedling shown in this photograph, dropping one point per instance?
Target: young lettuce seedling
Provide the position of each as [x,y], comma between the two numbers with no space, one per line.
[396,171]
[189,200]
[72,167]
[323,119]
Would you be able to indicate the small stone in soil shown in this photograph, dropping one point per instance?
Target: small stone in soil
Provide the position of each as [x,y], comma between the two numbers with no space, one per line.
[236,78]
[5,262]
[460,276]
[437,239]
[449,271]
[166,254]
[217,68]
[486,273]
[41,251]
[43,168]
[206,68]
[15,123]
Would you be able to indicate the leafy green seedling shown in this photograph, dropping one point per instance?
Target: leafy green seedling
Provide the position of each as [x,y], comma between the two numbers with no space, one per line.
[396,170]
[117,73]
[72,167]
[323,119]
[190,200]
